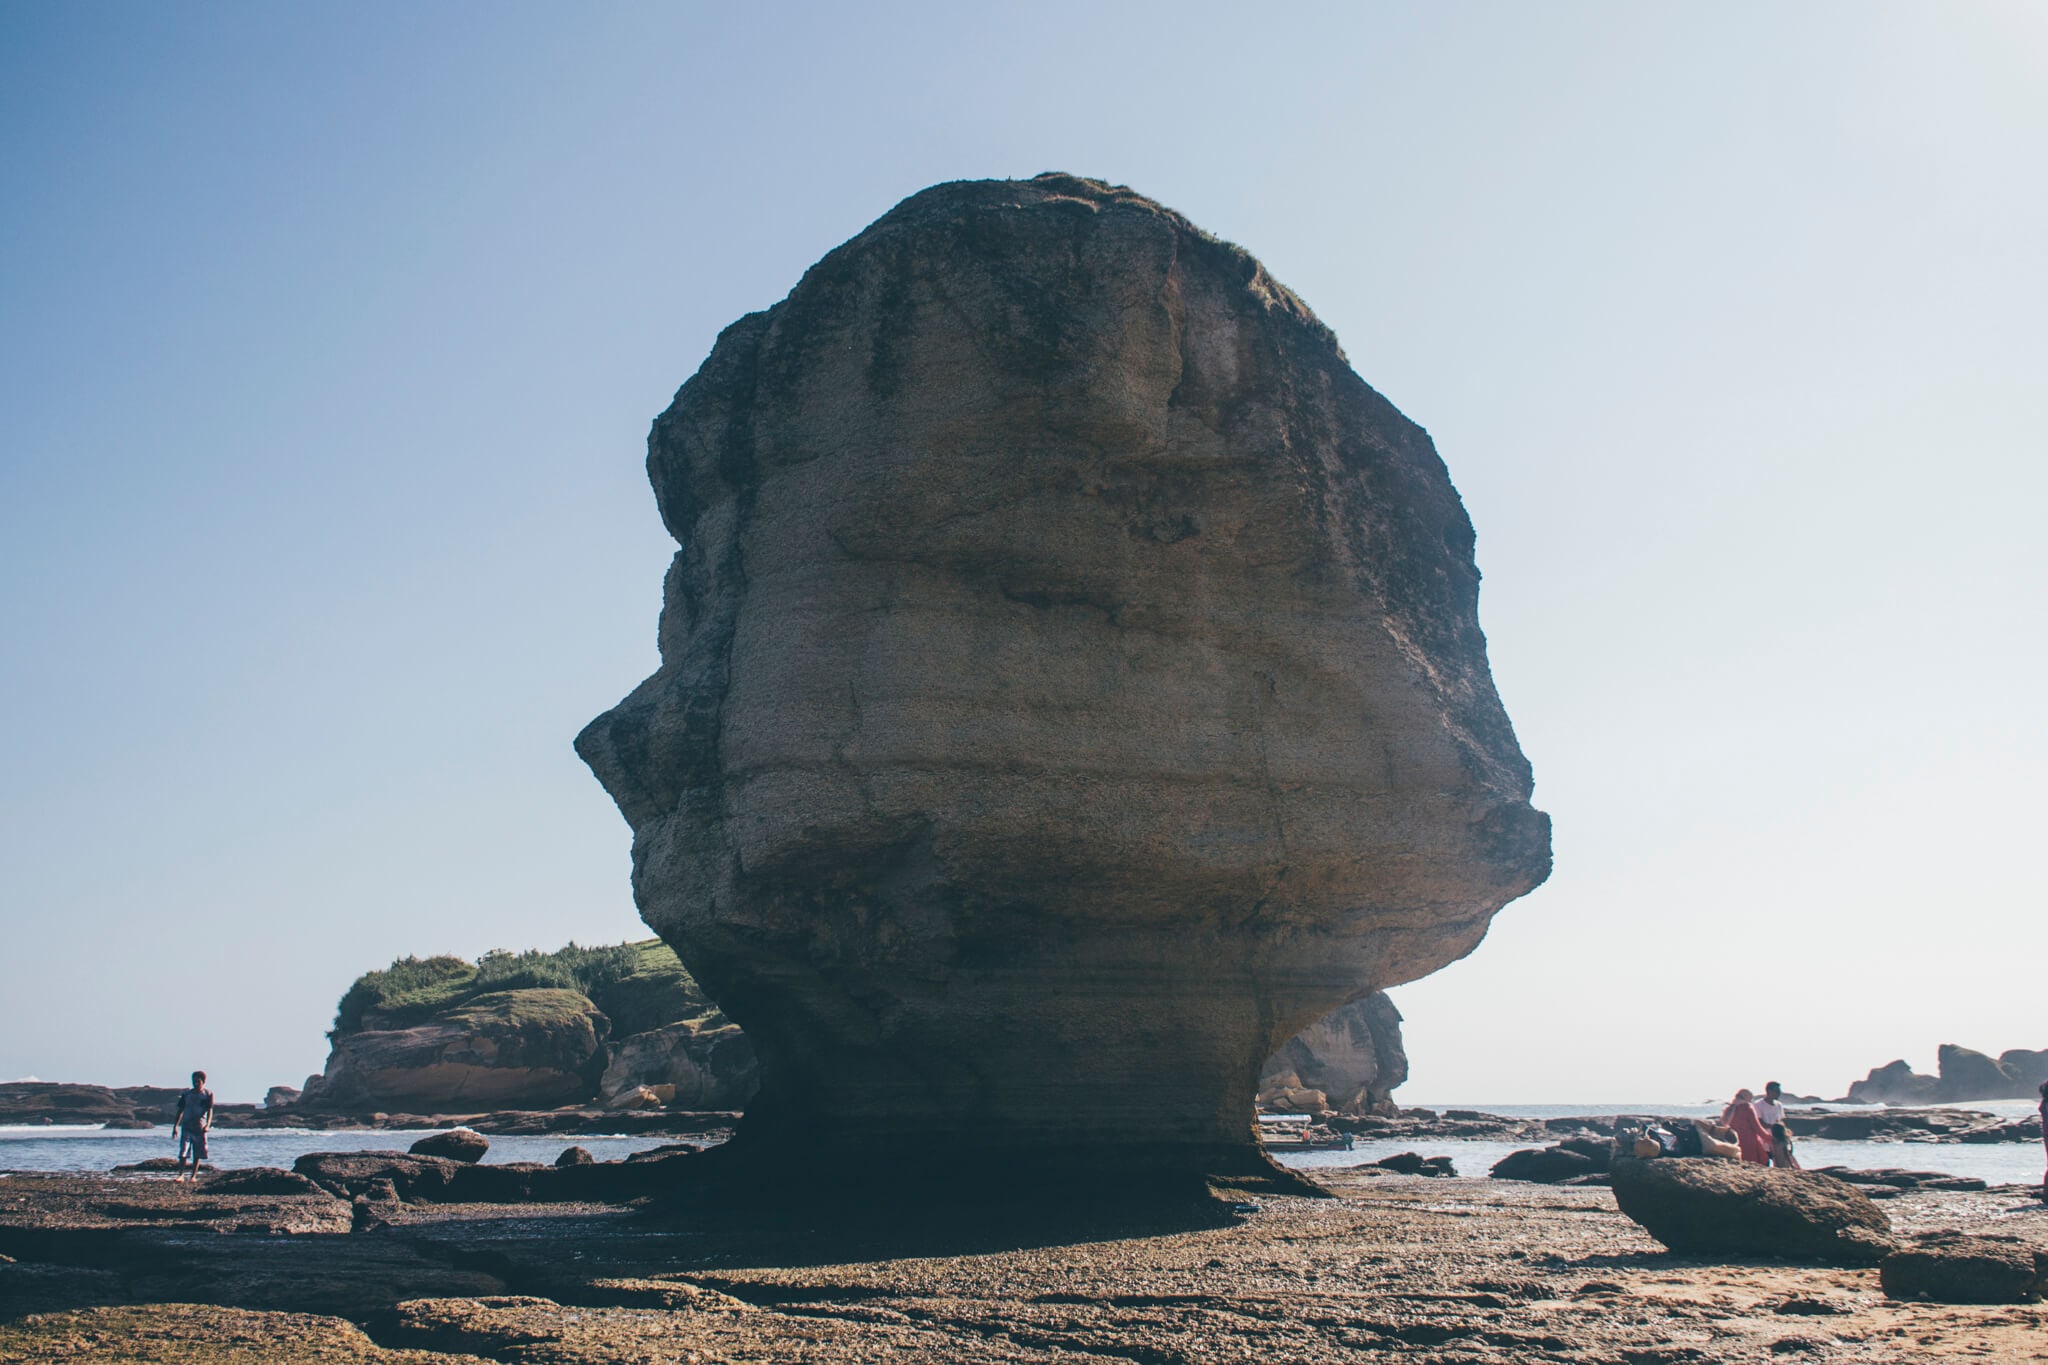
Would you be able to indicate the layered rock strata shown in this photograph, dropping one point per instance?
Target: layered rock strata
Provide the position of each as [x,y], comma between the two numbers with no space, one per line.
[528,1048]
[1071,688]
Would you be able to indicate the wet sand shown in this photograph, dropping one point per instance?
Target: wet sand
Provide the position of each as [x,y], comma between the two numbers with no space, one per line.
[1393,1268]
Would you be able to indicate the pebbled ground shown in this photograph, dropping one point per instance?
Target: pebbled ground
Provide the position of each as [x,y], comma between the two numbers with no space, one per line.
[1395,1269]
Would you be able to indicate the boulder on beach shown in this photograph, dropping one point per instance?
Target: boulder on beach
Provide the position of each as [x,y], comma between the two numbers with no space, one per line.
[349,1174]
[702,1063]
[1958,1268]
[1071,688]
[1415,1163]
[1351,1057]
[457,1144]
[1708,1206]
[259,1180]
[1546,1166]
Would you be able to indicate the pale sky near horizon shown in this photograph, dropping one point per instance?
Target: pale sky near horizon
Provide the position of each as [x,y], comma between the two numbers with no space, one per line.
[330,336]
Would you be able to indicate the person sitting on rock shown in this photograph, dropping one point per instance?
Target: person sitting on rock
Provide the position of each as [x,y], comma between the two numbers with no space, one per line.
[1740,1116]
[1781,1148]
[191,1122]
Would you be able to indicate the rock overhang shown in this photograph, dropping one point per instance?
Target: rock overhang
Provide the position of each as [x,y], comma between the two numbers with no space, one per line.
[1071,682]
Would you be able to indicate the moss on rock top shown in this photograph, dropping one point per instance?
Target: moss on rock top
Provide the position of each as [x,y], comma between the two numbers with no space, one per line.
[640,986]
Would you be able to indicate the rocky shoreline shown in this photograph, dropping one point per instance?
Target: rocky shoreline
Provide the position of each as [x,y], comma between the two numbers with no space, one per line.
[50,1104]
[47,1103]
[346,1266]
[1854,1125]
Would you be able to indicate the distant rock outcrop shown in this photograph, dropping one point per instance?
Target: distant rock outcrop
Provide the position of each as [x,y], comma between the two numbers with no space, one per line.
[1963,1074]
[531,1031]
[1071,689]
[1345,1063]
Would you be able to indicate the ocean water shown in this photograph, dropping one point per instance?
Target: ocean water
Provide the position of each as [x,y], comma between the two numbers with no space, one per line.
[1997,1163]
[96,1149]
[2002,1163]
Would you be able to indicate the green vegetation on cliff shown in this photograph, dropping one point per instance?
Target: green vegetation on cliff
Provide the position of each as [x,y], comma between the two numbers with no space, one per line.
[639,985]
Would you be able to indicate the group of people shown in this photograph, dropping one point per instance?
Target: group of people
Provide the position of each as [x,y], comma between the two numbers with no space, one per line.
[1751,1129]
[1758,1127]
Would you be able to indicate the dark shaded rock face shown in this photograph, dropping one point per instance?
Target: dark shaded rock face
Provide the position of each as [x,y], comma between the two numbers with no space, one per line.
[1708,1206]
[1955,1268]
[1347,1062]
[1071,686]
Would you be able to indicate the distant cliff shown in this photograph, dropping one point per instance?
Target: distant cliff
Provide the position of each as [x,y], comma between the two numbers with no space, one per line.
[623,1026]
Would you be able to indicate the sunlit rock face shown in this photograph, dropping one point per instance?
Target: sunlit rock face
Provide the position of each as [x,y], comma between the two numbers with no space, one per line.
[1071,685]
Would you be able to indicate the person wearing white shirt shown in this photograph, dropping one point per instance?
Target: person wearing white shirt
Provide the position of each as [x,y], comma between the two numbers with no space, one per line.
[1771,1111]
[1771,1108]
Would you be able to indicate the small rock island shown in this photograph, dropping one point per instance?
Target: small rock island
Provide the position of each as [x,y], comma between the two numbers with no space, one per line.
[1071,688]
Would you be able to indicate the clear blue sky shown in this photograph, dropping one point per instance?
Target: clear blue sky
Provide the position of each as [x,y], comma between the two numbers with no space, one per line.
[329,338]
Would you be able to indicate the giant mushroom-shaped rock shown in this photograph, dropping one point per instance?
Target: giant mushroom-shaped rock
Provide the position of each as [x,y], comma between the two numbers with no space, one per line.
[1071,687]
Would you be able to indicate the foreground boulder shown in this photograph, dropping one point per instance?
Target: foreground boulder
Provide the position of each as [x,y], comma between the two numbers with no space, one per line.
[457,1144]
[1707,1206]
[1547,1166]
[1953,1268]
[1071,688]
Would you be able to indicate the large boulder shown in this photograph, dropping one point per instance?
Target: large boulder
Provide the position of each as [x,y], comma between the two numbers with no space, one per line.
[1071,688]
[1958,1268]
[527,1049]
[1353,1057]
[457,1144]
[702,1063]
[1707,1206]
[1546,1165]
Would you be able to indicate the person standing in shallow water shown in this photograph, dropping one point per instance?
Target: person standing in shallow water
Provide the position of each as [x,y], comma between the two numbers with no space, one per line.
[193,1119]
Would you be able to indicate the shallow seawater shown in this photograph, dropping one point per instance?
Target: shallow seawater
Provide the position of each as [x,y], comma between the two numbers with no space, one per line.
[96,1149]
[2004,1163]
[2001,1163]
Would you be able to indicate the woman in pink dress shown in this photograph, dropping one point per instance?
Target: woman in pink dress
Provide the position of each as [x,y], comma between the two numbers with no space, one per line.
[1740,1116]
